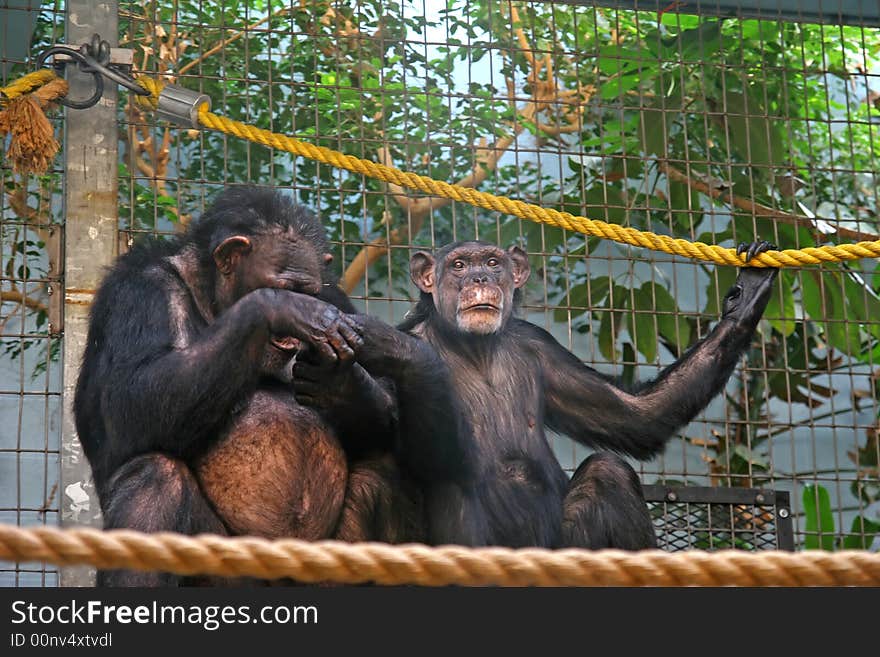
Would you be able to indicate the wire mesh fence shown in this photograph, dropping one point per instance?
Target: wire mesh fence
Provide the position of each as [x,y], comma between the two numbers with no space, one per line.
[31,218]
[680,119]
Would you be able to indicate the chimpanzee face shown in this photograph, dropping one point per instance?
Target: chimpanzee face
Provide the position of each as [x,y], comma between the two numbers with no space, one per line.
[472,284]
[278,258]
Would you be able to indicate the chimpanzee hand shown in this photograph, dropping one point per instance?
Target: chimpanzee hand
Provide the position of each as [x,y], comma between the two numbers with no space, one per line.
[321,384]
[746,300]
[332,334]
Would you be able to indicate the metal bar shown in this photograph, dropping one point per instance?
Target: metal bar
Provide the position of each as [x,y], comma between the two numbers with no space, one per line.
[709,495]
[784,527]
[120,56]
[834,12]
[90,200]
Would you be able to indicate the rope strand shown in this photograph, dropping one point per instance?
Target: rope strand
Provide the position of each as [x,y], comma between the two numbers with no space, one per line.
[346,563]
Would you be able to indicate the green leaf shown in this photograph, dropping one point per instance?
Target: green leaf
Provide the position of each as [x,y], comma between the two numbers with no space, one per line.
[658,117]
[753,134]
[617,86]
[670,324]
[719,284]
[750,457]
[577,299]
[697,44]
[684,204]
[780,307]
[860,534]
[611,320]
[642,328]
[819,518]
[842,329]
[608,335]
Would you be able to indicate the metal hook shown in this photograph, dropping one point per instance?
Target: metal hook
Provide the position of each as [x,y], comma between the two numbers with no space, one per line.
[99,54]
[84,61]
[94,58]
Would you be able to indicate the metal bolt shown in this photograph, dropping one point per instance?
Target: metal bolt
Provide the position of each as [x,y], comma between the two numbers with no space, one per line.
[759,498]
[783,512]
[671,497]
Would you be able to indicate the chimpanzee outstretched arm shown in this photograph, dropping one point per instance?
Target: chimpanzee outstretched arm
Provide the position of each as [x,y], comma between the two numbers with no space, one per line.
[590,408]
[432,440]
[170,396]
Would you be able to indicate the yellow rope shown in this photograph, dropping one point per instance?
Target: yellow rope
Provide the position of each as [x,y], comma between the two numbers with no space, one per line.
[28,83]
[334,561]
[631,236]
[621,234]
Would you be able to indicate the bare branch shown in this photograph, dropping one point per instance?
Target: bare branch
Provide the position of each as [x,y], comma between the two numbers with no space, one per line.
[756,209]
[15,296]
[233,38]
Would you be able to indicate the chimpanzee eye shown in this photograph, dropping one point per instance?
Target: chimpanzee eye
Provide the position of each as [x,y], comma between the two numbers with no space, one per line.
[492,262]
[458,264]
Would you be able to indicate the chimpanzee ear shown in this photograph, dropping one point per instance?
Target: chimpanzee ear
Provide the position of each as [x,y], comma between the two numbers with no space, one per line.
[521,267]
[421,269]
[230,251]
[328,258]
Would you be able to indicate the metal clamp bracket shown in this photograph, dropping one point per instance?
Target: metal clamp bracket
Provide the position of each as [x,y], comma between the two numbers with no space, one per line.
[99,59]
[181,105]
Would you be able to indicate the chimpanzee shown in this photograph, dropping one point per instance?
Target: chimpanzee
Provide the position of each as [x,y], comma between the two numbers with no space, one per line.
[218,391]
[511,379]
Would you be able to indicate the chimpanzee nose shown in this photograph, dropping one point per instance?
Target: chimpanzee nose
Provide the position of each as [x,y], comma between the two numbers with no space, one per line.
[480,278]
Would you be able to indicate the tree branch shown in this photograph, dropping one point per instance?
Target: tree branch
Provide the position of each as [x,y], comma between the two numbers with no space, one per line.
[14,296]
[225,42]
[756,209]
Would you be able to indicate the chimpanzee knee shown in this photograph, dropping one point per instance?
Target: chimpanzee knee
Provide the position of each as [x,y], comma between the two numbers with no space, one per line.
[154,493]
[380,505]
[605,507]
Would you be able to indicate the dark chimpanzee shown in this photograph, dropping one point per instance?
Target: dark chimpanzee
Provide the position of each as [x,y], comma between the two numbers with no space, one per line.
[511,379]
[187,400]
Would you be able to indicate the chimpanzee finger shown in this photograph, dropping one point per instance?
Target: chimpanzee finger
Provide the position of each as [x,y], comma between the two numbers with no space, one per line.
[351,333]
[765,246]
[308,372]
[753,250]
[344,352]
[325,351]
[741,248]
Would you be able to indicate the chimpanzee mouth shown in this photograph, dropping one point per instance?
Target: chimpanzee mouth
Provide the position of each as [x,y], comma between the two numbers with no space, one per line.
[481,306]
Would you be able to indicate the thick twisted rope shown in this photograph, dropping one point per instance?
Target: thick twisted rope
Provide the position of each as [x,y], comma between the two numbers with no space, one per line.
[621,234]
[334,561]
[631,236]
[523,210]
[27,84]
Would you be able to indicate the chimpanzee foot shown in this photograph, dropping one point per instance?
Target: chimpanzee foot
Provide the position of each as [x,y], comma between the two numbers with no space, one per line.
[751,249]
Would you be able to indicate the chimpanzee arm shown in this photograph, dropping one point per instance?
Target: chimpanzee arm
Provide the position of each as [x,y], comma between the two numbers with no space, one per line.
[361,409]
[592,409]
[158,392]
[431,434]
